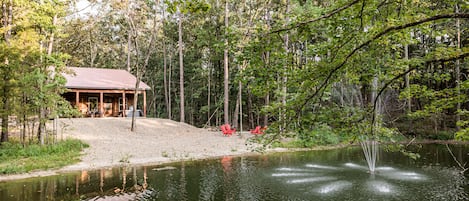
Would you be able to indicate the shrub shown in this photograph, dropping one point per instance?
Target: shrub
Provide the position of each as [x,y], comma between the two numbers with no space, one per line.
[321,134]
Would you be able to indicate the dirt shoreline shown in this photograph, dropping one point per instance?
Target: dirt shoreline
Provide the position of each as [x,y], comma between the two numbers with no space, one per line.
[155,142]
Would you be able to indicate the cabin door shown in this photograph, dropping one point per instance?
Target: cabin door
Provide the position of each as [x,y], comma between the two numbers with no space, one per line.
[93,103]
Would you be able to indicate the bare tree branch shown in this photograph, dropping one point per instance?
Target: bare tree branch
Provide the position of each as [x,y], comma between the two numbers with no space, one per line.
[463,167]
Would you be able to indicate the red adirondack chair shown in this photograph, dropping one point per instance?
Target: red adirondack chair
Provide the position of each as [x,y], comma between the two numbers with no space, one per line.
[257,131]
[226,129]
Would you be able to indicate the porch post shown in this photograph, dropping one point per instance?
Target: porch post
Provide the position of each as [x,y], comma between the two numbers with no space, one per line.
[101,104]
[144,103]
[123,104]
[77,99]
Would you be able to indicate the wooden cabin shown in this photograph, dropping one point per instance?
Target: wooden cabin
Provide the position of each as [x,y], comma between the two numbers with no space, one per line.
[99,92]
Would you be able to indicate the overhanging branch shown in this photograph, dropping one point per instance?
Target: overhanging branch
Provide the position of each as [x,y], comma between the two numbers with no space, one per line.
[377,36]
[333,12]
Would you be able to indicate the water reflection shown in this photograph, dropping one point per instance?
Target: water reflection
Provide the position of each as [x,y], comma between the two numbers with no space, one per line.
[324,175]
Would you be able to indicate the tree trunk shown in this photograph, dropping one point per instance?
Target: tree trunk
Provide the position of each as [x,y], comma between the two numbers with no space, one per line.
[92,50]
[458,71]
[129,41]
[42,125]
[192,106]
[24,121]
[170,109]
[407,79]
[7,11]
[208,95]
[267,63]
[236,112]
[134,111]
[181,71]
[8,18]
[250,110]
[5,130]
[49,52]
[165,82]
[153,101]
[52,36]
[374,97]
[240,94]
[139,72]
[137,83]
[43,111]
[226,70]
[284,75]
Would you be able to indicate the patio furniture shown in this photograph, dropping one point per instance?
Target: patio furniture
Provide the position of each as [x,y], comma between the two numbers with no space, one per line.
[227,130]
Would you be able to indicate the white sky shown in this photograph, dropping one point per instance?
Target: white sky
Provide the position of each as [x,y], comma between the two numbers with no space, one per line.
[84,9]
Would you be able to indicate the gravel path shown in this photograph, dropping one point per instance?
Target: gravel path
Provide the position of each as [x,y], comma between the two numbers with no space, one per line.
[155,141]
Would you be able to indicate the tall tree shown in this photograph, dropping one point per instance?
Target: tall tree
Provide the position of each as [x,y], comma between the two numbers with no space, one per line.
[7,18]
[135,30]
[181,68]
[182,9]
[165,73]
[226,77]
[284,76]
[458,69]
[31,70]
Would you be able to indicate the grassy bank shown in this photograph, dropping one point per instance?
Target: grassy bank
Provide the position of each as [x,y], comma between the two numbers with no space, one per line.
[15,159]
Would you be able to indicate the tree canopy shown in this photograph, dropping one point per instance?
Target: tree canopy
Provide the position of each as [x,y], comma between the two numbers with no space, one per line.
[322,71]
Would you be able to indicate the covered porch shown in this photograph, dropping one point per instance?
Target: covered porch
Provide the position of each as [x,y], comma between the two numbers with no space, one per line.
[107,103]
[98,92]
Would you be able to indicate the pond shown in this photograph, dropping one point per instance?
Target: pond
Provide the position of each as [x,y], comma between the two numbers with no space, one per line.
[338,174]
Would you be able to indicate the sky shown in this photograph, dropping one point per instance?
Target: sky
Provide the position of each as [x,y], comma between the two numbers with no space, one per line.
[85,8]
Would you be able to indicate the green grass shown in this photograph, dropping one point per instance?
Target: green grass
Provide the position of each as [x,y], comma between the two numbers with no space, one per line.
[15,159]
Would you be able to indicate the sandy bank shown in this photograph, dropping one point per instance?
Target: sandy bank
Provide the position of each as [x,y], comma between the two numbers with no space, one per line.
[156,141]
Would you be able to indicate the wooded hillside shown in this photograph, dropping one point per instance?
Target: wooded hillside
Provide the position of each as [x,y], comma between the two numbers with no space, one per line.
[326,70]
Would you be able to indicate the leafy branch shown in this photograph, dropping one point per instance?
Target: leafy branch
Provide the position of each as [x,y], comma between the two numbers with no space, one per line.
[330,14]
[460,56]
[376,37]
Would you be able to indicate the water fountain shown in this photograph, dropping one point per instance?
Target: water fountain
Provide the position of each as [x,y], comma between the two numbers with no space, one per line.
[370,150]
[325,175]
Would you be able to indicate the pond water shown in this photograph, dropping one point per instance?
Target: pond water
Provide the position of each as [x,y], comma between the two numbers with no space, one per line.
[339,174]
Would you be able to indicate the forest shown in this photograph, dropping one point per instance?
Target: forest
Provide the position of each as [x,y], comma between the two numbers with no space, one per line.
[321,71]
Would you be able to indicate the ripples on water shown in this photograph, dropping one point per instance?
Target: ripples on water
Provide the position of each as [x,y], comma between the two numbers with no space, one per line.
[324,175]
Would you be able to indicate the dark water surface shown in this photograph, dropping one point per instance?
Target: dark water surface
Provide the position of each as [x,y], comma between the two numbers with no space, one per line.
[316,175]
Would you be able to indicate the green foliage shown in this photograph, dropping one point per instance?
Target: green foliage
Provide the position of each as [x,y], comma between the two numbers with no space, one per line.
[339,55]
[191,6]
[402,149]
[321,134]
[462,134]
[18,159]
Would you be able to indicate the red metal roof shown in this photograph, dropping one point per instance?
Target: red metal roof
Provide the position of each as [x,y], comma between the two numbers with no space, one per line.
[101,78]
